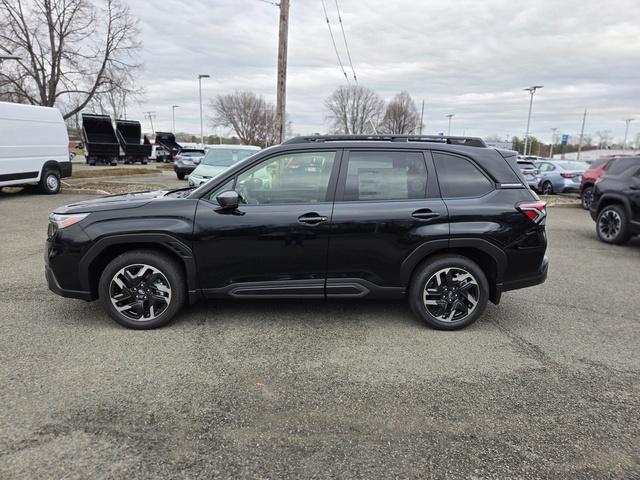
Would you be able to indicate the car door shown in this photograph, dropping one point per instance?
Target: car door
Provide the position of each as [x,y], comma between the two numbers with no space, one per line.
[387,205]
[275,243]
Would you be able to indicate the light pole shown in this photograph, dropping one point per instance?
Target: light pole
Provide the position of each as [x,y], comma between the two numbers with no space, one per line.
[553,142]
[532,91]
[450,116]
[200,77]
[626,132]
[173,117]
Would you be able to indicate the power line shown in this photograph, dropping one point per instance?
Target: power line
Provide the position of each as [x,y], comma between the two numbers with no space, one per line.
[346,45]
[333,40]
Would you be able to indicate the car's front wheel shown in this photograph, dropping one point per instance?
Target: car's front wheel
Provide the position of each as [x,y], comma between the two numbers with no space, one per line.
[612,225]
[142,289]
[587,198]
[180,176]
[449,292]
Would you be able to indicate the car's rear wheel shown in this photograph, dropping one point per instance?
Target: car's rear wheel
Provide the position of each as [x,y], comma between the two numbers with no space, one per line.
[180,176]
[587,198]
[449,292]
[547,188]
[612,225]
[142,289]
[50,181]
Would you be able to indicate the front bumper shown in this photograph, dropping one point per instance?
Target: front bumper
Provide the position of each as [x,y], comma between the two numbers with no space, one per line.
[55,287]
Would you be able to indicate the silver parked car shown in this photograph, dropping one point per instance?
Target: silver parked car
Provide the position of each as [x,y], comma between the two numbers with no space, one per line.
[560,176]
[530,172]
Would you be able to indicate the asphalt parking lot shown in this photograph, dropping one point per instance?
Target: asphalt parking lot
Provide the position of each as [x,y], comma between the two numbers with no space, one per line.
[546,385]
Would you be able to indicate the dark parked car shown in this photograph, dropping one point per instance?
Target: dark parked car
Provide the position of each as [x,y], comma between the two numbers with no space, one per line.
[616,202]
[592,174]
[187,161]
[445,222]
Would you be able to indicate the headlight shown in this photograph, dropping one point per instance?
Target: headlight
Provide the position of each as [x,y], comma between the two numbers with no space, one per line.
[63,221]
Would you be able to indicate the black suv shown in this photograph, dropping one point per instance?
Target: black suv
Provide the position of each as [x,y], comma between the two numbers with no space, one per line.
[616,202]
[446,222]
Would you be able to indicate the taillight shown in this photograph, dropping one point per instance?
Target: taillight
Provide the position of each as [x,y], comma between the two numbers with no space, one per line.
[568,175]
[534,211]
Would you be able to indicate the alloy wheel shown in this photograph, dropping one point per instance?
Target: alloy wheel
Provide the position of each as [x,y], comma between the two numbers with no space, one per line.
[587,198]
[451,294]
[609,224]
[547,188]
[140,292]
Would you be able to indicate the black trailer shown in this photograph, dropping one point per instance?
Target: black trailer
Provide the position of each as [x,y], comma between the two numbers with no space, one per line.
[168,141]
[129,133]
[100,142]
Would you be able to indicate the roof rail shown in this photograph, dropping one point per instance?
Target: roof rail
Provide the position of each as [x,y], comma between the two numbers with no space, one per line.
[466,141]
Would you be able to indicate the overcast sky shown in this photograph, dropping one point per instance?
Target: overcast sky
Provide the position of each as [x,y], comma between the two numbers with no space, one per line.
[467,57]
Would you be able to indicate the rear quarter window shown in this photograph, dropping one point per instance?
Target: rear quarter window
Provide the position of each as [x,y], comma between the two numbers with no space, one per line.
[459,177]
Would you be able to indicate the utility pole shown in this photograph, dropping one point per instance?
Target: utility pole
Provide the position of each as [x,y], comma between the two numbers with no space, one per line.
[150,116]
[532,91]
[584,119]
[173,117]
[200,77]
[281,97]
[553,142]
[421,117]
[626,132]
[450,116]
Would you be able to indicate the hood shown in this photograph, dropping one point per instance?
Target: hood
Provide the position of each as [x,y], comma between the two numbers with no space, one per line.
[209,170]
[111,202]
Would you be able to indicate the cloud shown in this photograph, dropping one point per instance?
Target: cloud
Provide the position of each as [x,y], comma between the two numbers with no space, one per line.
[465,57]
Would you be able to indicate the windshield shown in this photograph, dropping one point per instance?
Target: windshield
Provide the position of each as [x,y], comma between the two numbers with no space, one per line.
[225,157]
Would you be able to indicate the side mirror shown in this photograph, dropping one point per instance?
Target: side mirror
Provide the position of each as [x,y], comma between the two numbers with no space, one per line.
[229,199]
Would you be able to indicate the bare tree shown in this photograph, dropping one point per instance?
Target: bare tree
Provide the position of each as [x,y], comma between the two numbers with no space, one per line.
[70,50]
[401,115]
[604,138]
[354,109]
[249,115]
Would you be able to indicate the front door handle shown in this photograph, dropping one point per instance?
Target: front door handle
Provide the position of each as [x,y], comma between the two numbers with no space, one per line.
[425,214]
[312,218]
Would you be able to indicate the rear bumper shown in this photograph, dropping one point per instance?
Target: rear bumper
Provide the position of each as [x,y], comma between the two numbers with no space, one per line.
[55,287]
[185,169]
[529,281]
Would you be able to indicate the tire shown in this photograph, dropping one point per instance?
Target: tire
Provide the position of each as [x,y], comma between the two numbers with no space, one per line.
[451,293]
[586,198]
[180,176]
[49,181]
[547,188]
[166,291]
[612,225]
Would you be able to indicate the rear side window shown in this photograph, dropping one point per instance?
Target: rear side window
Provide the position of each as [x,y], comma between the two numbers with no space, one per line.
[458,177]
[376,176]
[622,164]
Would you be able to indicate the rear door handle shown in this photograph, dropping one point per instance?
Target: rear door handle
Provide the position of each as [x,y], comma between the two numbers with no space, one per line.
[424,214]
[312,218]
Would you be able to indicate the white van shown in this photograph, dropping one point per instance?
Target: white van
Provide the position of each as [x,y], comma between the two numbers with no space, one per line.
[34,146]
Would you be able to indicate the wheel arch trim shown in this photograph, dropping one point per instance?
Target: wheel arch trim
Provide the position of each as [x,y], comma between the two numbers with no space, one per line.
[163,241]
[441,246]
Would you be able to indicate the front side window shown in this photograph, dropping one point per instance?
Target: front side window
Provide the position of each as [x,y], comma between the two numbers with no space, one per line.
[459,178]
[377,176]
[291,178]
